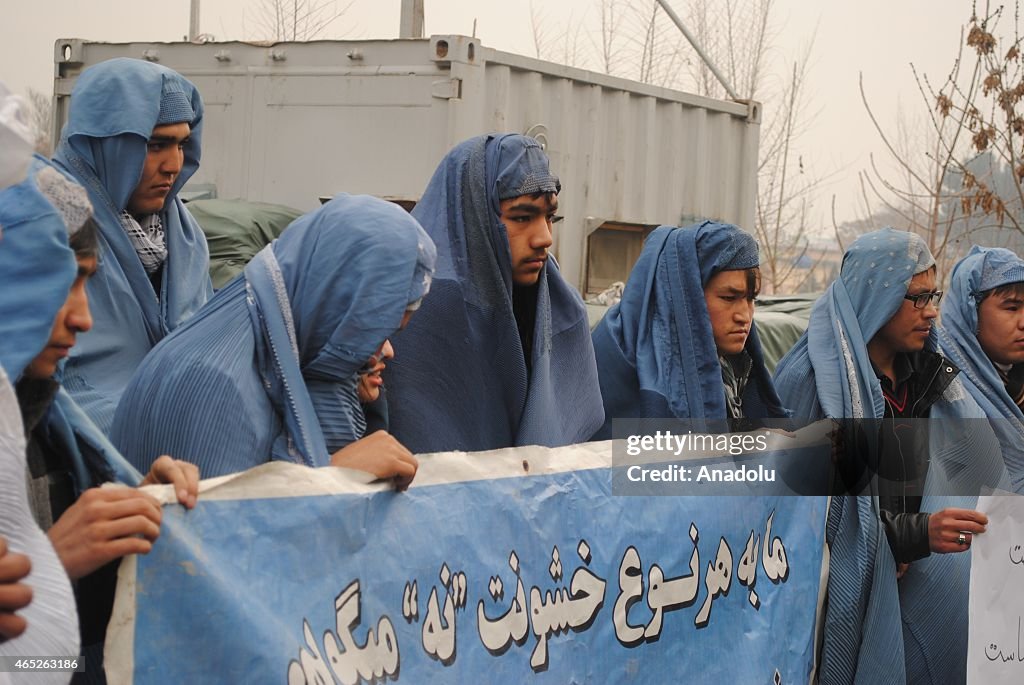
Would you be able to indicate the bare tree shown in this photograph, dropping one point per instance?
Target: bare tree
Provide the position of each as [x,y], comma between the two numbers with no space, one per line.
[636,39]
[611,19]
[297,20]
[958,176]
[551,44]
[737,35]
[539,30]
[41,121]
[785,190]
[573,53]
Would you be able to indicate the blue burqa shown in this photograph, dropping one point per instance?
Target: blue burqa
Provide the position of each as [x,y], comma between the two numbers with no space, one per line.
[268,368]
[92,457]
[876,631]
[459,379]
[114,107]
[656,353]
[983,269]
[37,268]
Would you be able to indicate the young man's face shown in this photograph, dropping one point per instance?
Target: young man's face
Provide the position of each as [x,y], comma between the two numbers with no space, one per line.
[528,223]
[907,331]
[165,156]
[72,319]
[370,381]
[731,308]
[1001,327]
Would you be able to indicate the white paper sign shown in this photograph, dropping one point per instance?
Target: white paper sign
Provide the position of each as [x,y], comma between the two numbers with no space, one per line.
[995,649]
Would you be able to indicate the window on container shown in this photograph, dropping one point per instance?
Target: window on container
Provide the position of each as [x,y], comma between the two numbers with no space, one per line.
[612,250]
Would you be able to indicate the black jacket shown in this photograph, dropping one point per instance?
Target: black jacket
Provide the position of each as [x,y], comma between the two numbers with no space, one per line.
[904,453]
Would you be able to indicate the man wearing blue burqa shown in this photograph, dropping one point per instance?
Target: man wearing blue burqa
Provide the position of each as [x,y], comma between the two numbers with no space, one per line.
[133,140]
[869,354]
[37,268]
[68,458]
[269,368]
[983,333]
[682,341]
[501,354]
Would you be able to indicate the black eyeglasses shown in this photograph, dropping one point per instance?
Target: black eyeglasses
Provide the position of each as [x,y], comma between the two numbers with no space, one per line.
[922,300]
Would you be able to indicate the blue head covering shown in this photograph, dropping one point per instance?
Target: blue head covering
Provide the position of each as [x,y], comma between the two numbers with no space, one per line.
[459,379]
[268,368]
[876,272]
[875,632]
[519,167]
[983,269]
[37,268]
[115,106]
[656,353]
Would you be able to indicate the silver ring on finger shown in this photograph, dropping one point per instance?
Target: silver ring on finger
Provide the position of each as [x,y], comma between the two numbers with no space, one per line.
[961,539]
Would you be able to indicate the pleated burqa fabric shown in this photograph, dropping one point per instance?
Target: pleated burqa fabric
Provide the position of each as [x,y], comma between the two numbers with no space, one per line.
[981,270]
[268,368]
[36,270]
[656,353]
[114,107]
[875,630]
[459,379]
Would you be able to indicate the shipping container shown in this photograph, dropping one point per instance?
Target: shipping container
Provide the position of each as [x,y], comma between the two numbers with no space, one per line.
[289,123]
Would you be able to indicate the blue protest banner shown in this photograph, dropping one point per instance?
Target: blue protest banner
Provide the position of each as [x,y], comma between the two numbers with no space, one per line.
[504,567]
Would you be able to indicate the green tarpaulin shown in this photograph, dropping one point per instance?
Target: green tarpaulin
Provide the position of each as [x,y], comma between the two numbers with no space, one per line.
[236,230]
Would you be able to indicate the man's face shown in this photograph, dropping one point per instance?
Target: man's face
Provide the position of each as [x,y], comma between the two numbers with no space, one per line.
[370,381]
[72,319]
[731,308]
[165,155]
[1001,327]
[907,331]
[528,223]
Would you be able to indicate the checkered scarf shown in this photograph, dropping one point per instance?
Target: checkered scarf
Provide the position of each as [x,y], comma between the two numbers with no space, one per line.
[148,240]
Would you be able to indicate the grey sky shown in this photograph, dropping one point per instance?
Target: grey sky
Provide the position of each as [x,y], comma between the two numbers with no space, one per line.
[876,37]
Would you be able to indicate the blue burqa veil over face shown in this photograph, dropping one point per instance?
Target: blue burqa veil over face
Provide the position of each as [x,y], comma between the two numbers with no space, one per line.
[115,106]
[460,379]
[268,368]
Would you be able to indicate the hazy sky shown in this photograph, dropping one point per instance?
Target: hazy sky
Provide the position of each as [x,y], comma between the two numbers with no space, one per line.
[874,37]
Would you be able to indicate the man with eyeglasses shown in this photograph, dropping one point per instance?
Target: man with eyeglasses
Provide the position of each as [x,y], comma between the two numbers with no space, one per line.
[912,378]
[983,333]
[869,360]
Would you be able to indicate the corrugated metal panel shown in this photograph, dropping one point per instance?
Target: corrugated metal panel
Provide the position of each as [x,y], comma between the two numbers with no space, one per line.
[290,122]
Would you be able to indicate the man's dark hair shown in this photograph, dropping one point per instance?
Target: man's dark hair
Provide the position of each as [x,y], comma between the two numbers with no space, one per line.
[1010,289]
[753,281]
[86,241]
